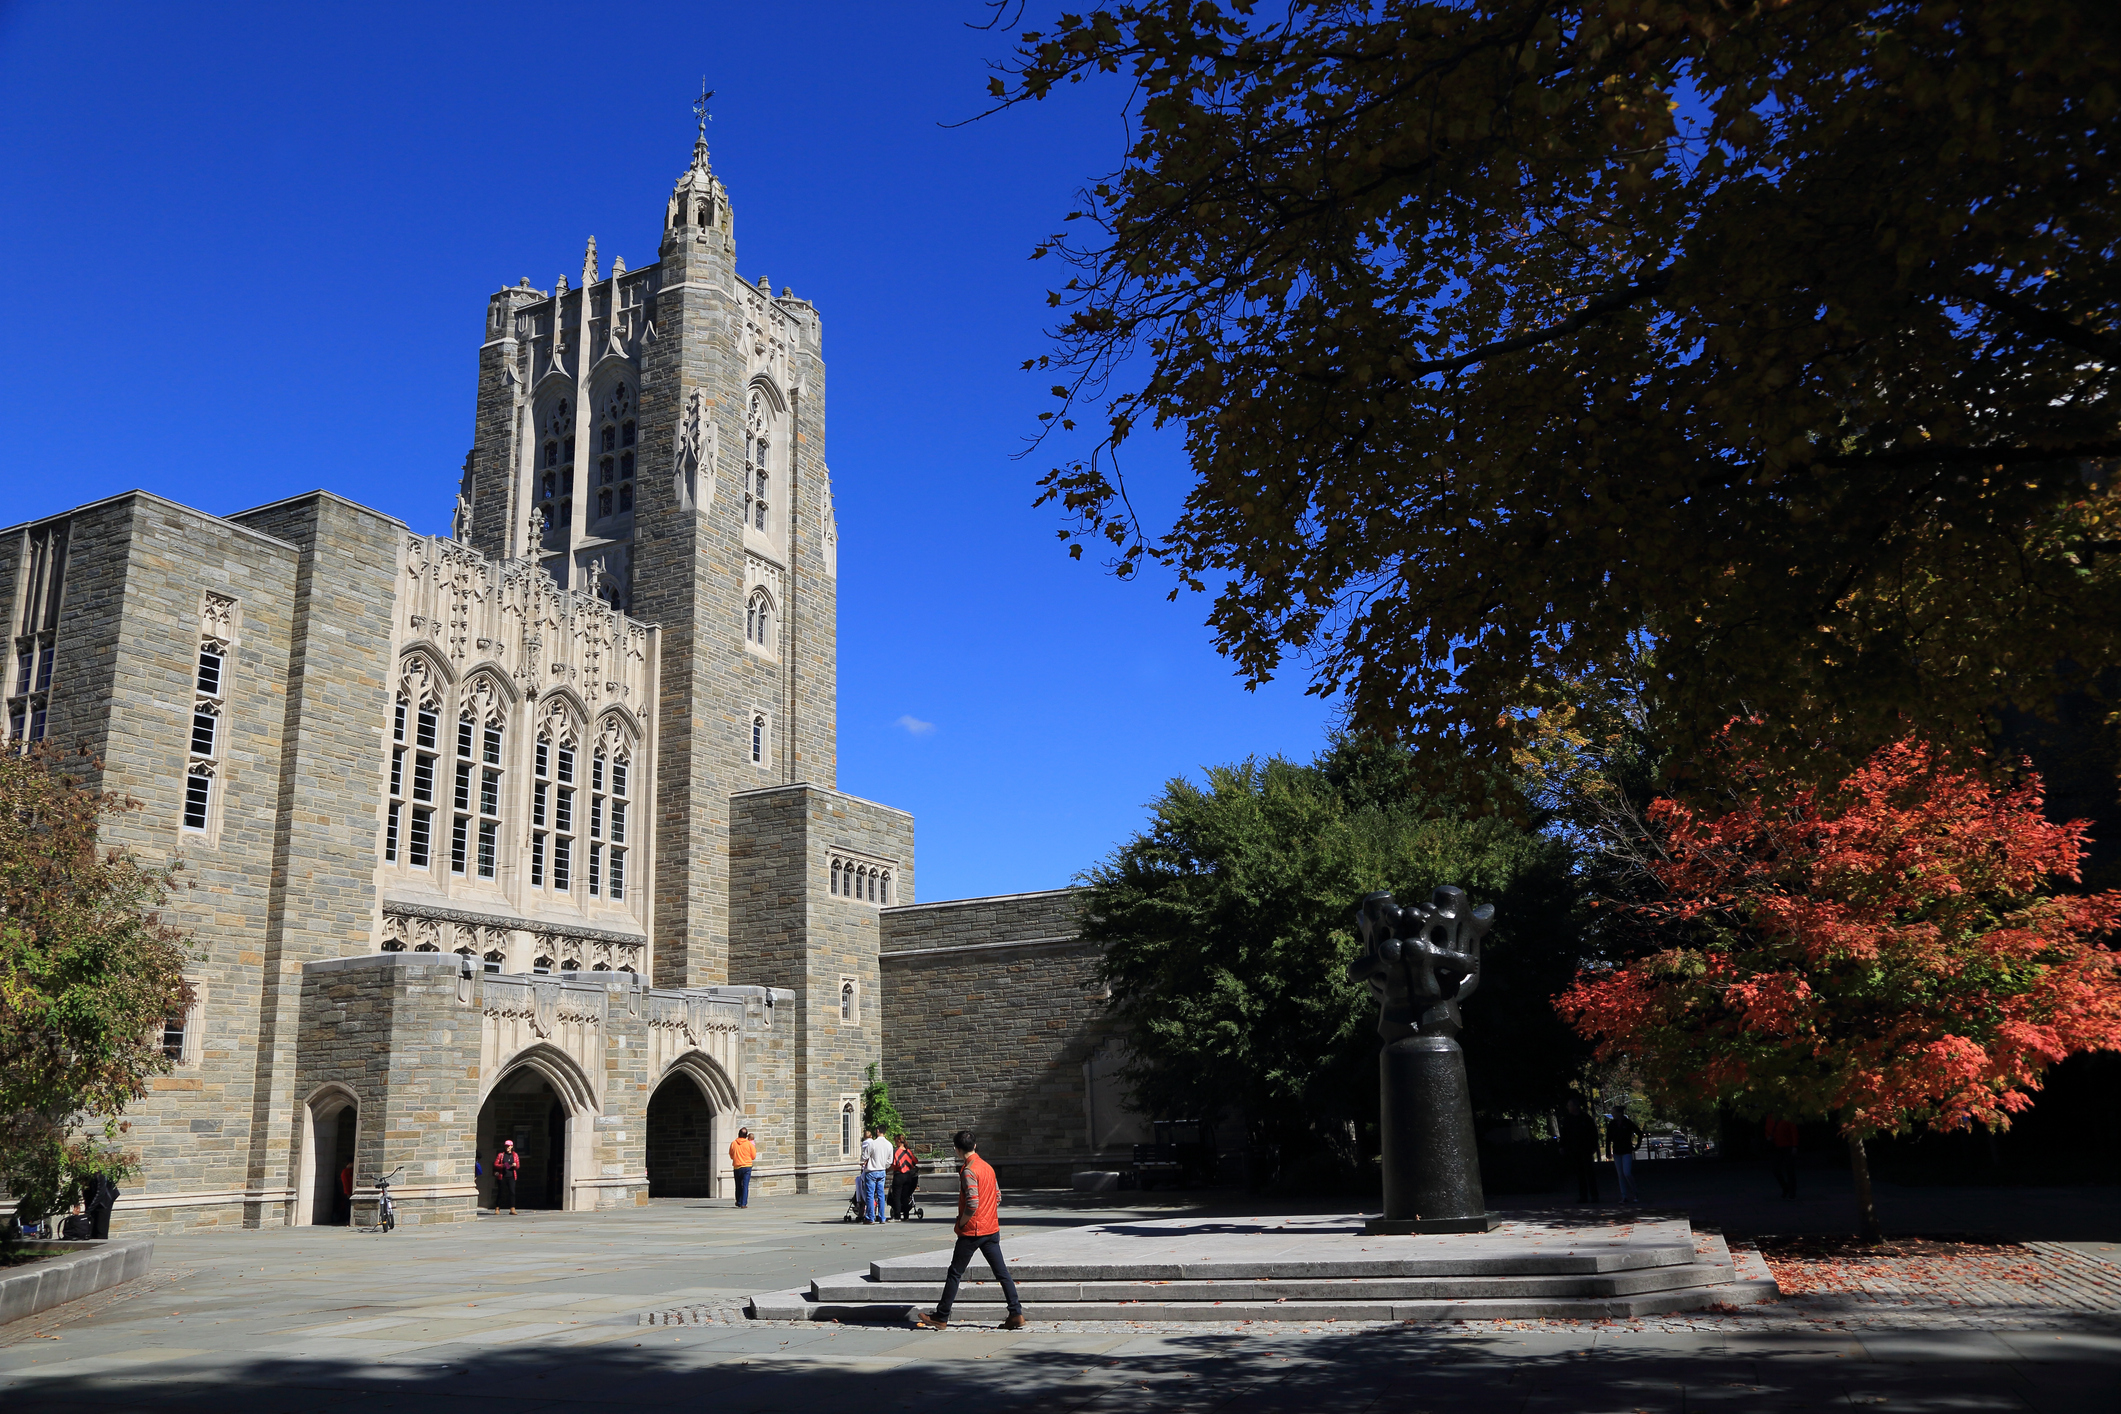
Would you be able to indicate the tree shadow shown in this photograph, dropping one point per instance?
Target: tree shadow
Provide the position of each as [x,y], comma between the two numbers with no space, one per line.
[1263,1369]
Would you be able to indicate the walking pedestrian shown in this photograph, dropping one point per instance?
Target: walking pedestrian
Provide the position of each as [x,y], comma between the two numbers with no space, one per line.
[342,1211]
[979,1229]
[1622,1137]
[742,1155]
[905,1177]
[101,1197]
[507,1168]
[1782,1153]
[876,1163]
[1579,1146]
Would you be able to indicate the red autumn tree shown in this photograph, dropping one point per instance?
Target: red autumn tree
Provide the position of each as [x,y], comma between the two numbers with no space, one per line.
[1888,953]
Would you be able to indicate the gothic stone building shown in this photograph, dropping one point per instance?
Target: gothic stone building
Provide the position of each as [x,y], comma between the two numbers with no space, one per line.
[532,832]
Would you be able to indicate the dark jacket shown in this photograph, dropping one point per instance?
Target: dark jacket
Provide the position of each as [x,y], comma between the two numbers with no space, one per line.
[1623,1135]
[1579,1136]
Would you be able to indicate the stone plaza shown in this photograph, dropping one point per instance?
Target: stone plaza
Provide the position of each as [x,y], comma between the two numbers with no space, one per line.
[645,1309]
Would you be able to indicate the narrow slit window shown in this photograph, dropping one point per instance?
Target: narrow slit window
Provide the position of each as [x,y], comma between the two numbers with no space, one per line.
[198,798]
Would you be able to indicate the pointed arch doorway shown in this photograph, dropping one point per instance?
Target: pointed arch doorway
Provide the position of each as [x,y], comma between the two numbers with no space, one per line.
[692,1117]
[542,1102]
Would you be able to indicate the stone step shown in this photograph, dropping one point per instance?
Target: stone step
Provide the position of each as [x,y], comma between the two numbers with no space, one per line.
[1314,1268]
[935,1266]
[854,1288]
[791,1306]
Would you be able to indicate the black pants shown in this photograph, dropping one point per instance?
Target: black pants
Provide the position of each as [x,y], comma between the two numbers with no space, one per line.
[989,1247]
[504,1191]
[903,1186]
[99,1220]
[1784,1165]
[1586,1166]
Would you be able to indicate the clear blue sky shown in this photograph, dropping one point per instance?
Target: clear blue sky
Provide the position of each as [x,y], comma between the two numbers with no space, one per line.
[250,248]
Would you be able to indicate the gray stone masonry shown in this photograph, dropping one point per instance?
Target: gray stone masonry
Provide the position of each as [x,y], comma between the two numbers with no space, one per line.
[323,895]
[992,1012]
[424,1047]
[129,638]
[795,933]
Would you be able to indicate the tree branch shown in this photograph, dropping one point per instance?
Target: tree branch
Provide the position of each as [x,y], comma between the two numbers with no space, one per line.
[1600,306]
[2035,320]
[1995,454]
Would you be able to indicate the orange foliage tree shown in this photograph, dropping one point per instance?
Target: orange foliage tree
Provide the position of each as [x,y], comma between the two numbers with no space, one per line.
[1888,953]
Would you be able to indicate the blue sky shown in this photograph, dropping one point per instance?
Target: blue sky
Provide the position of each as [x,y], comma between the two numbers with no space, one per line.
[251,247]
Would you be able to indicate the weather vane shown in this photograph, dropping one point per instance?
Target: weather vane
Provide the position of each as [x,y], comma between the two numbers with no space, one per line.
[700,108]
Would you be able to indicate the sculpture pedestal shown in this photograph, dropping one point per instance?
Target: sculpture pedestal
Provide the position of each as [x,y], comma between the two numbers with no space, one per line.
[1431,1163]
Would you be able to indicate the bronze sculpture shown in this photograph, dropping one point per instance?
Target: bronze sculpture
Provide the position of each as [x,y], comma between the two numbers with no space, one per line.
[1423,961]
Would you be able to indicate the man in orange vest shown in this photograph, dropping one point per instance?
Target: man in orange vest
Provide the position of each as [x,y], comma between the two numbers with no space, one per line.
[979,1229]
[742,1155]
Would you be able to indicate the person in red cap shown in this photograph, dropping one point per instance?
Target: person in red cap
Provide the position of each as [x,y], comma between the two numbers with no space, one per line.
[979,1229]
[507,1168]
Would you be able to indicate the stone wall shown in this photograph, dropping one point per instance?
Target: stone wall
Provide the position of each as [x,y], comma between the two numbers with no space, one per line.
[322,901]
[796,933]
[138,572]
[994,1021]
[444,1062]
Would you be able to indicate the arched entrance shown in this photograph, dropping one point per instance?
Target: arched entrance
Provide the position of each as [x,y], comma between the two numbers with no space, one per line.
[544,1105]
[332,1120]
[524,1107]
[691,1119]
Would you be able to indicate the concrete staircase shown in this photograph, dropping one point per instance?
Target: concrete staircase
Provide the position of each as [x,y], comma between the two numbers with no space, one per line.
[1310,1269]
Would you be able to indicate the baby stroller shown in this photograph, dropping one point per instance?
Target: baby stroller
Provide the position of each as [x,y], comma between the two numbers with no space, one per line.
[898,1201]
[899,1192]
[904,1188]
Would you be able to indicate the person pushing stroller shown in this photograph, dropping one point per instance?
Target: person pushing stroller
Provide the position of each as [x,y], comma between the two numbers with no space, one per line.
[905,1178]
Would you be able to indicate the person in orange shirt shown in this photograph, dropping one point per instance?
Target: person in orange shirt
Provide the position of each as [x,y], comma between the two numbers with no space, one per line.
[742,1155]
[979,1229]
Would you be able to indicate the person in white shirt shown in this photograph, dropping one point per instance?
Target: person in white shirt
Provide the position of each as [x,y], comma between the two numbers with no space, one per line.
[876,1165]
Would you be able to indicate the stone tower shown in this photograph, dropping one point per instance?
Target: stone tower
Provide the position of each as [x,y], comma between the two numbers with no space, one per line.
[656,436]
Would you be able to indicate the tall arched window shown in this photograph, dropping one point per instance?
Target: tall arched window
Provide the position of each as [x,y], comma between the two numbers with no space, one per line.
[758,619]
[556,472]
[758,738]
[607,820]
[617,432]
[758,448]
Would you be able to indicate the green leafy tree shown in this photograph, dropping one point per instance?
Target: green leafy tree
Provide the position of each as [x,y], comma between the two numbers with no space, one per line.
[1226,935]
[88,972]
[877,1109]
[1508,336]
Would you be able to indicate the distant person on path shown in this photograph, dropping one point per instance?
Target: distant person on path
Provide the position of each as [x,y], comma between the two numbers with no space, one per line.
[507,1168]
[1782,1154]
[742,1155]
[905,1177]
[101,1197]
[876,1166]
[979,1229]
[1579,1146]
[1622,1137]
[342,1206]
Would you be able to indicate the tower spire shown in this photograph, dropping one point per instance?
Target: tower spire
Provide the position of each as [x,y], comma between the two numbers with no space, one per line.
[699,109]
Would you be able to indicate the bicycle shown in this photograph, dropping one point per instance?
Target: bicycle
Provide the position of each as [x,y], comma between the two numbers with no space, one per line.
[386,1210]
